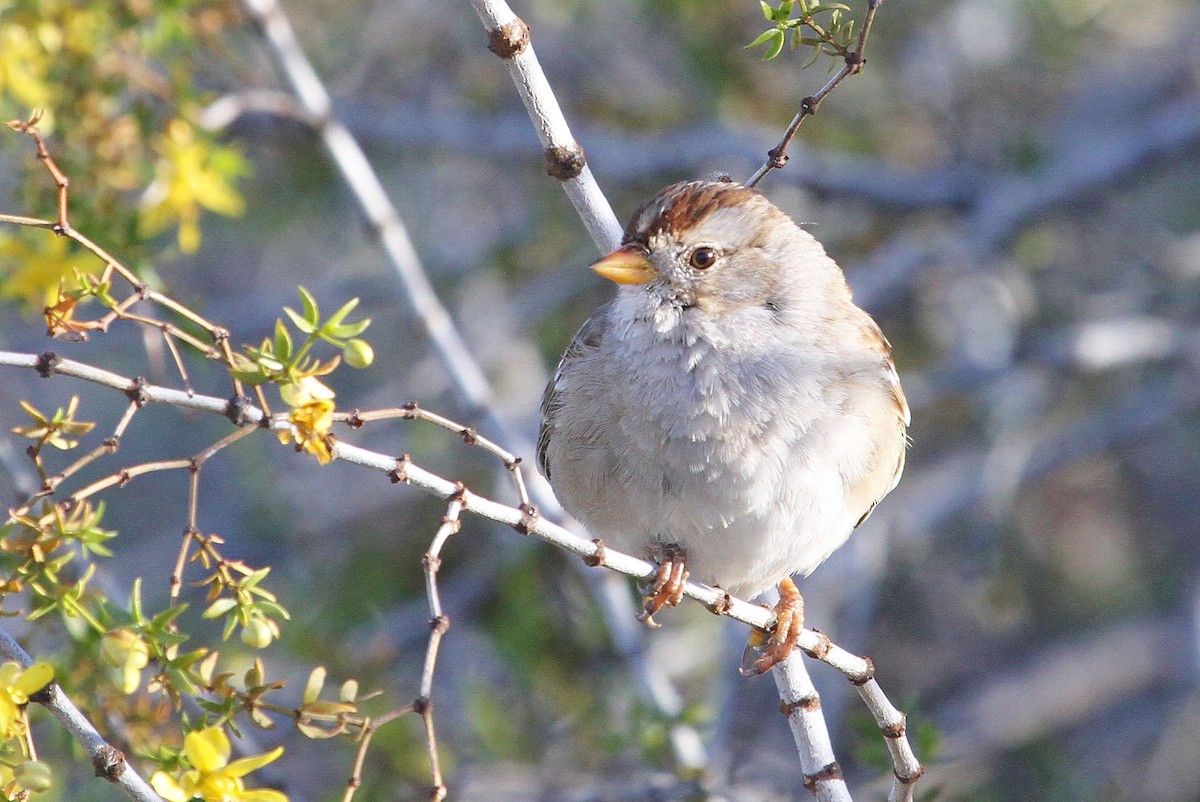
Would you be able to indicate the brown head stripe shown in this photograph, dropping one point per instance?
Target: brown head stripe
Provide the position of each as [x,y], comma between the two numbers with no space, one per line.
[680,204]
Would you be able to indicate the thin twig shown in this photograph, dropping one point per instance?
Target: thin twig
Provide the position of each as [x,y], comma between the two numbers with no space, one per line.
[854,62]
[801,704]
[470,436]
[439,623]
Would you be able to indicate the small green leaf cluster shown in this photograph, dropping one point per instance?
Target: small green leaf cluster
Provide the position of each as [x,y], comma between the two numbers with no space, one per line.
[280,360]
[253,608]
[834,37]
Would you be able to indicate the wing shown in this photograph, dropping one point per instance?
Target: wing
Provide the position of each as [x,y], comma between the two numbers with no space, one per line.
[586,341]
[894,418]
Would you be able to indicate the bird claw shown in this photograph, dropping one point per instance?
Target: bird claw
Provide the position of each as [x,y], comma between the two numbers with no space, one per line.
[766,650]
[667,588]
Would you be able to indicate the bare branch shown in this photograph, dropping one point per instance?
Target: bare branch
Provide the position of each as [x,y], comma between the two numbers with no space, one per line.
[508,38]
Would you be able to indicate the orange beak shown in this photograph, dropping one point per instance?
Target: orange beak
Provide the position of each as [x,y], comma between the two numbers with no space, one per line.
[626,265]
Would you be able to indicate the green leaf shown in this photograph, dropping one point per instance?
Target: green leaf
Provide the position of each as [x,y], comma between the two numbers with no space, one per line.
[775,47]
[283,341]
[817,9]
[311,312]
[348,330]
[340,315]
[767,12]
[762,38]
[300,322]
[312,689]
[219,608]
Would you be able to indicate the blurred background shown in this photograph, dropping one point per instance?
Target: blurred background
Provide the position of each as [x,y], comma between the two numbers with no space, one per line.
[1013,190]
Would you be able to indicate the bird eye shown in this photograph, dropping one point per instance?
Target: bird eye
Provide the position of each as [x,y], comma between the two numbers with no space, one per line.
[703,258]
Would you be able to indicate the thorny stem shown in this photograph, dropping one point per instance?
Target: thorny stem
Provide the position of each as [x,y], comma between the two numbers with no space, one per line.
[855,60]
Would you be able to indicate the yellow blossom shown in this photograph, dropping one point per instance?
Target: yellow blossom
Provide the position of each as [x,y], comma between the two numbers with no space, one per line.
[311,416]
[213,778]
[192,174]
[55,431]
[15,686]
[36,265]
[128,653]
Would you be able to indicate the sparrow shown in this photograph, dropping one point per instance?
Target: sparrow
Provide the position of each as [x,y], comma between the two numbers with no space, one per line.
[731,414]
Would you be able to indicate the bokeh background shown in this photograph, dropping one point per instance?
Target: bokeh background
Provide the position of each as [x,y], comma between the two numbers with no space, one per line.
[1013,190]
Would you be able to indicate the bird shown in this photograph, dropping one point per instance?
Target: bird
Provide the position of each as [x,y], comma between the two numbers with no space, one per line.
[731,414]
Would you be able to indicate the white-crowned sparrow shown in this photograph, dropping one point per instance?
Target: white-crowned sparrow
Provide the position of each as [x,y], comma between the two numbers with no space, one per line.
[731,409]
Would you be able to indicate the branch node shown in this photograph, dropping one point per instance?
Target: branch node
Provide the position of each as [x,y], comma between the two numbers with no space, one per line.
[866,676]
[440,624]
[354,420]
[422,705]
[509,40]
[910,778]
[109,763]
[809,105]
[778,157]
[830,772]
[469,434]
[893,731]
[111,444]
[410,410]
[596,558]
[136,392]
[822,648]
[565,162]
[400,472]
[236,410]
[722,605]
[529,519]
[220,334]
[46,364]
[807,702]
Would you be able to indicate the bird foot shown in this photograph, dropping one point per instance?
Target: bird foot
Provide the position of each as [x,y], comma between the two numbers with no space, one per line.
[667,588]
[767,650]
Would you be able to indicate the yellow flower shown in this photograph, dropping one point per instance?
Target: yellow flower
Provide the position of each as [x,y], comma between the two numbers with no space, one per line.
[126,651]
[35,266]
[192,174]
[57,430]
[212,777]
[15,686]
[311,416]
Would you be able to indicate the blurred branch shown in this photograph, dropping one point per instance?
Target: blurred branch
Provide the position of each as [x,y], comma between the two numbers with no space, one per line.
[508,38]
[108,761]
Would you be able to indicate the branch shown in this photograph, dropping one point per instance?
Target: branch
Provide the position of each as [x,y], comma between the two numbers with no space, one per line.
[854,62]
[108,761]
[508,38]
[526,521]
